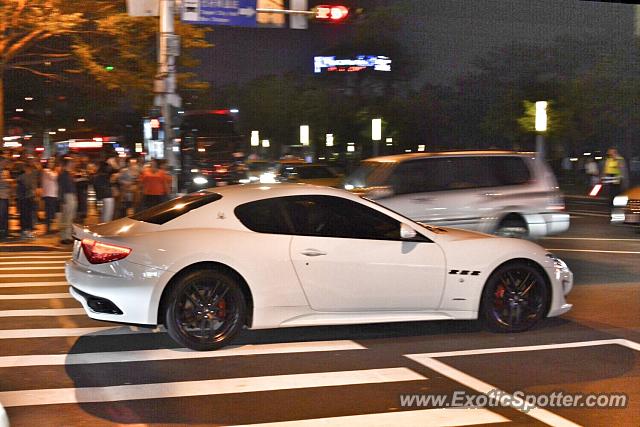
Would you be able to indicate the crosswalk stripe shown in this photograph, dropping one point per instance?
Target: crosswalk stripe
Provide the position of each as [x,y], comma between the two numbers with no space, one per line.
[473,383]
[18,255]
[31,284]
[440,417]
[32,262]
[50,268]
[35,296]
[23,275]
[75,332]
[175,354]
[205,387]
[43,312]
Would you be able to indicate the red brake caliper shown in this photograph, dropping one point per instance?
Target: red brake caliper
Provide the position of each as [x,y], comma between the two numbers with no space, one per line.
[222,309]
[499,294]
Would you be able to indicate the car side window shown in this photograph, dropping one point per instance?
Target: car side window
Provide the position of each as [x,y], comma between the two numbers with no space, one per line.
[264,216]
[328,216]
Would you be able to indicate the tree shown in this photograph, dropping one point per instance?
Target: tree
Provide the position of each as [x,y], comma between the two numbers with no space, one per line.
[91,42]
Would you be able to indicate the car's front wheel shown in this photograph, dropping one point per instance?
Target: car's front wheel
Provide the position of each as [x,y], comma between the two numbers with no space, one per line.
[515,298]
[205,310]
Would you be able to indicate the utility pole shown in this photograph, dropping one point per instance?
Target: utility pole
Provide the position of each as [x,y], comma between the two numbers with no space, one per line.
[165,80]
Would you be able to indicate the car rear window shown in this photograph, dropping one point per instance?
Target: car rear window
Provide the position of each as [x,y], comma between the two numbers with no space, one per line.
[172,209]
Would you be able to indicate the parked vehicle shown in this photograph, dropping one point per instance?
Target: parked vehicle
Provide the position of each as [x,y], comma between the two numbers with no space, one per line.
[268,256]
[502,192]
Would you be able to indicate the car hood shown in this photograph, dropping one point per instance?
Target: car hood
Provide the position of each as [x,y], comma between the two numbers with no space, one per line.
[633,193]
[455,234]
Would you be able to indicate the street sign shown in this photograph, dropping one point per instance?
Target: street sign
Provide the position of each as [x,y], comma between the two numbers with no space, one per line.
[239,13]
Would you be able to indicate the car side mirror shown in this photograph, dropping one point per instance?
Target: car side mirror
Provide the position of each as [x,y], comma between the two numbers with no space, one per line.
[406,232]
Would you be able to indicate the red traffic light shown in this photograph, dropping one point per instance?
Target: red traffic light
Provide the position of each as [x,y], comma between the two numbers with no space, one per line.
[330,13]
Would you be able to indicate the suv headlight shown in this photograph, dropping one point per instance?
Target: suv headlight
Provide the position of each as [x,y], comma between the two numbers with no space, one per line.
[620,201]
[557,262]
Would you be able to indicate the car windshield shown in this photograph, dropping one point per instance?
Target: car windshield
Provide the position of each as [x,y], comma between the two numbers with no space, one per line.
[369,174]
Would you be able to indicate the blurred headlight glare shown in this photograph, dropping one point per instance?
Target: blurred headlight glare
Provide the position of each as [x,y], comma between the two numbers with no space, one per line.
[620,201]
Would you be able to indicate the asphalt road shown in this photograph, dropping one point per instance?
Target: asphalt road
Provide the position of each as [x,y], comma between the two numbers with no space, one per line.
[58,367]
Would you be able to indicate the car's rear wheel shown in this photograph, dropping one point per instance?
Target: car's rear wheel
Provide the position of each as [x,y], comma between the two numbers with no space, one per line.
[515,298]
[205,310]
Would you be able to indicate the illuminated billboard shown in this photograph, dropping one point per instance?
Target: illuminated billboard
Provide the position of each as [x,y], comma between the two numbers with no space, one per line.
[331,64]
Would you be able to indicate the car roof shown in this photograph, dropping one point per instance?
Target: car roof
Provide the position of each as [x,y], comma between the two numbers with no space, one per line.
[411,156]
[239,194]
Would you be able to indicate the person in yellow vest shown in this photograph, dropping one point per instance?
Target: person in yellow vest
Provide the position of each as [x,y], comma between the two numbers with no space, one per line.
[613,172]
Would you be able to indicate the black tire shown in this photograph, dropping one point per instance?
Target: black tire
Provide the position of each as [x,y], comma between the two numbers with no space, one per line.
[205,310]
[513,227]
[515,298]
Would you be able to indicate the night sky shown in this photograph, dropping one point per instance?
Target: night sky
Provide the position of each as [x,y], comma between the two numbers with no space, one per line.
[445,36]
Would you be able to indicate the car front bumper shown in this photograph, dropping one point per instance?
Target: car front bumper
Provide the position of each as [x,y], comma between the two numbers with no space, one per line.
[134,290]
[561,284]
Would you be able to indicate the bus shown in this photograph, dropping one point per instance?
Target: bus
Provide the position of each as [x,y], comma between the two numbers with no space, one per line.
[209,147]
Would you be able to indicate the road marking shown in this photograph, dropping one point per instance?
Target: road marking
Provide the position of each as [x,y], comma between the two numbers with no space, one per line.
[35,296]
[76,332]
[603,239]
[467,380]
[31,262]
[174,354]
[31,284]
[50,268]
[594,251]
[429,360]
[43,312]
[30,275]
[440,417]
[36,255]
[59,396]
[577,344]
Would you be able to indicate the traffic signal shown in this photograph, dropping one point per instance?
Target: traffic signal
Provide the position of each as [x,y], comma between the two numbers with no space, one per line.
[331,13]
[155,128]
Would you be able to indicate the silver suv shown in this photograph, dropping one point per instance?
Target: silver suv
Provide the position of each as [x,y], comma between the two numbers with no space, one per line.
[501,192]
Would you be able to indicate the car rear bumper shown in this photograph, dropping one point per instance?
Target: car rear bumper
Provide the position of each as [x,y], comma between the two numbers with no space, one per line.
[131,294]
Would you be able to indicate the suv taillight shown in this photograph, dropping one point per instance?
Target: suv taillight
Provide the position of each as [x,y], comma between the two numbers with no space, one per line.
[99,253]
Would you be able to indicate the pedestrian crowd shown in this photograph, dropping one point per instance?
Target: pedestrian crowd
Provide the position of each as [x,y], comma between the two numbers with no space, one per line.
[58,192]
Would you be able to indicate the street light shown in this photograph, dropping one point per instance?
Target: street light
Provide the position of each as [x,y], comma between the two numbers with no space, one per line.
[376,134]
[304,134]
[541,126]
[329,139]
[255,138]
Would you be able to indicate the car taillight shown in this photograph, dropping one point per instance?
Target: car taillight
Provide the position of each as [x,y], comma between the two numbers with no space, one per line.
[99,253]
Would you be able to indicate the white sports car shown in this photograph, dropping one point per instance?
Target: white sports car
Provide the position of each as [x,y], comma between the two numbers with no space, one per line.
[268,256]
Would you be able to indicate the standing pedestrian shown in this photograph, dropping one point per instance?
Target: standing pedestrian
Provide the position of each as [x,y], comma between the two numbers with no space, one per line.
[128,180]
[592,171]
[69,199]
[154,185]
[82,189]
[5,195]
[26,184]
[613,172]
[50,193]
[102,185]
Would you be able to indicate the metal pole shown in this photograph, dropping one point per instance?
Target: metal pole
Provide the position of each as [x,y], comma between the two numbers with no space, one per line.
[540,146]
[166,78]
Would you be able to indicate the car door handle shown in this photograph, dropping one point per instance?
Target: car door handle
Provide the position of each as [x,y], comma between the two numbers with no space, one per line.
[422,199]
[312,252]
